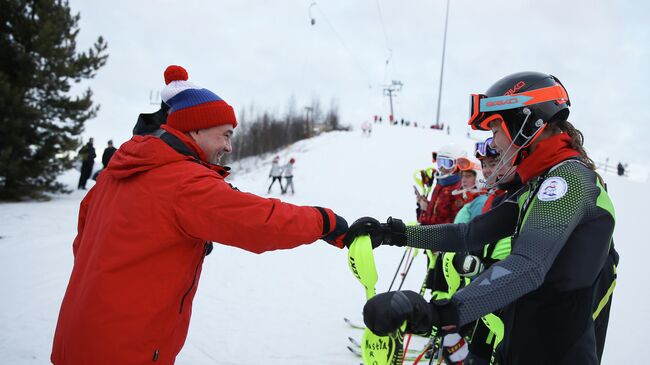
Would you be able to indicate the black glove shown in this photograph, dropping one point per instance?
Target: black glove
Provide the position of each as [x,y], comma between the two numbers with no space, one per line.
[392,233]
[365,226]
[337,236]
[385,313]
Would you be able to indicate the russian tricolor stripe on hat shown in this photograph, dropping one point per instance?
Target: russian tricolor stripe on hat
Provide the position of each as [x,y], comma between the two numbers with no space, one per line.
[191,107]
[191,97]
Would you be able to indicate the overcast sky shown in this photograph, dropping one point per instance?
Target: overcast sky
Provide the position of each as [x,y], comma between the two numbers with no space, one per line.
[263,52]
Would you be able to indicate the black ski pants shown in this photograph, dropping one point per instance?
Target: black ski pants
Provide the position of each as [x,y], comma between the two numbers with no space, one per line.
[279,180]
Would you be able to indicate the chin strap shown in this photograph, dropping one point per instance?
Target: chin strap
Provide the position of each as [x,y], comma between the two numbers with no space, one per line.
[493,180]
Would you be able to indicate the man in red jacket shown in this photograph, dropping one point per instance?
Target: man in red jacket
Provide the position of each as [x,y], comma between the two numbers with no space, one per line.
[146,226]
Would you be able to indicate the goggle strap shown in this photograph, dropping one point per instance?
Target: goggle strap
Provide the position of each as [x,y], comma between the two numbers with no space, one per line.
[519,100]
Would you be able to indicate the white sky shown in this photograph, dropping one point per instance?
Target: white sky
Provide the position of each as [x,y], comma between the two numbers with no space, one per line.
[263,52]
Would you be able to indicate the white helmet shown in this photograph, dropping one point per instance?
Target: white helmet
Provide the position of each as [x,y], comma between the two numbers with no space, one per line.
[446,158]
[451,151]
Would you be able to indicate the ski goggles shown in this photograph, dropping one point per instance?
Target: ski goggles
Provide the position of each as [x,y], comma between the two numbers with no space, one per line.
[445,162]
[483,109]
[465,164]
[485,149]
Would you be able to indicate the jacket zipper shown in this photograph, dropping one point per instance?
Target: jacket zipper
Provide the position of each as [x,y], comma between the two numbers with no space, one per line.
[196,270]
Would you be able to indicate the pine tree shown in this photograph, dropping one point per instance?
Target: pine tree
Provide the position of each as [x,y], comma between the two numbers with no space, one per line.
[40,121]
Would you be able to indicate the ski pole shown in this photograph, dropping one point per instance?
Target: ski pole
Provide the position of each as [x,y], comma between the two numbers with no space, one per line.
[408,268]
[437,345]
[398,267]
[417,359]
[406,347]
[408,256]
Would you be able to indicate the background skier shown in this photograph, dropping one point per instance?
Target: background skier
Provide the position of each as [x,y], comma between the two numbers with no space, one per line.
[287,171]
[276,174]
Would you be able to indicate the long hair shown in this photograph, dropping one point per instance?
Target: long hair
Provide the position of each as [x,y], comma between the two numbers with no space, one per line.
[577,141]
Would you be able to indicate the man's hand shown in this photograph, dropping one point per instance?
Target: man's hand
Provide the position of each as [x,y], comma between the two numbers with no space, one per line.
[337,236]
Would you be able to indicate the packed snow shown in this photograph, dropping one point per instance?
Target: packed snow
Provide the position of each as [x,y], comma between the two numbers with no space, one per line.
[287,307]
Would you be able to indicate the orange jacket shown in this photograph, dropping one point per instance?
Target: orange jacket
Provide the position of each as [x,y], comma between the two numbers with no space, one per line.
[142,237]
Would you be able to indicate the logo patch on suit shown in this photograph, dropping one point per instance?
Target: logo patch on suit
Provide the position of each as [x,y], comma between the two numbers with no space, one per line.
[552,189]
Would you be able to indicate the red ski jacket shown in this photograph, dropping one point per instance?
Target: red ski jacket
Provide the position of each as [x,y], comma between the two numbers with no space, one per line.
[142,237]
[443,206]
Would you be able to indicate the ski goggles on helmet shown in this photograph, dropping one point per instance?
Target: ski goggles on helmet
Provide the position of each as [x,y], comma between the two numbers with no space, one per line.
[485,149]
[465,164]
[445,162]
[483,109]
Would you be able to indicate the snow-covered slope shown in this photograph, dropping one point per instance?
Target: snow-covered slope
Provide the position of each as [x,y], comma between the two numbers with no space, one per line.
[286,307]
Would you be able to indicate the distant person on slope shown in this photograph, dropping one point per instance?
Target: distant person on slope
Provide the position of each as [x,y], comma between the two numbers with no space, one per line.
[275,174]
[147,225]
[621,169]
[106,157]
[287,171]
[555,287]
[366,129]
[87,156]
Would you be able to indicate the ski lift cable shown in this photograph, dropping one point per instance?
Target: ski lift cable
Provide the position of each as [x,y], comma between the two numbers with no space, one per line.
[355,61]
[389,49]
[383,29]
[311,17]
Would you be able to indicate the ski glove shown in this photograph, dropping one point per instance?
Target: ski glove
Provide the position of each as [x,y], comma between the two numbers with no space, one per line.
[392,233]
[386,313]
[337,236]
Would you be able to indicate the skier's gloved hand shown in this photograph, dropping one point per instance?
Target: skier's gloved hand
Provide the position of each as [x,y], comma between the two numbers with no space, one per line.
[365,226]
[385,313]
[337,235]
[393,232]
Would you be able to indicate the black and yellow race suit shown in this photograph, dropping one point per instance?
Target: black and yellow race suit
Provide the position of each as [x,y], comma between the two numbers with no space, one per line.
[558,276]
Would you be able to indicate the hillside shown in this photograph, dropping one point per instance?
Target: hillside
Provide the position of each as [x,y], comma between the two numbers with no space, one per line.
[286,307]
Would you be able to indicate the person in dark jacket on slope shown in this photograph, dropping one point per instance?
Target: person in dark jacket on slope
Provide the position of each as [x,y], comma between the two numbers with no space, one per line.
[106,157]
[109,151]
[145,228]
[87,156]
[555,286]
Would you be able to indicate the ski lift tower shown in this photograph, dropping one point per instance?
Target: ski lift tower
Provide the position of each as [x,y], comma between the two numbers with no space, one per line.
[390,90]
[154,97]
[442,65]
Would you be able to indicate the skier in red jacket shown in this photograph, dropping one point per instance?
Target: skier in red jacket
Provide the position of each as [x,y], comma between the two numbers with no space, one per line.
[147,225]
[443,206]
